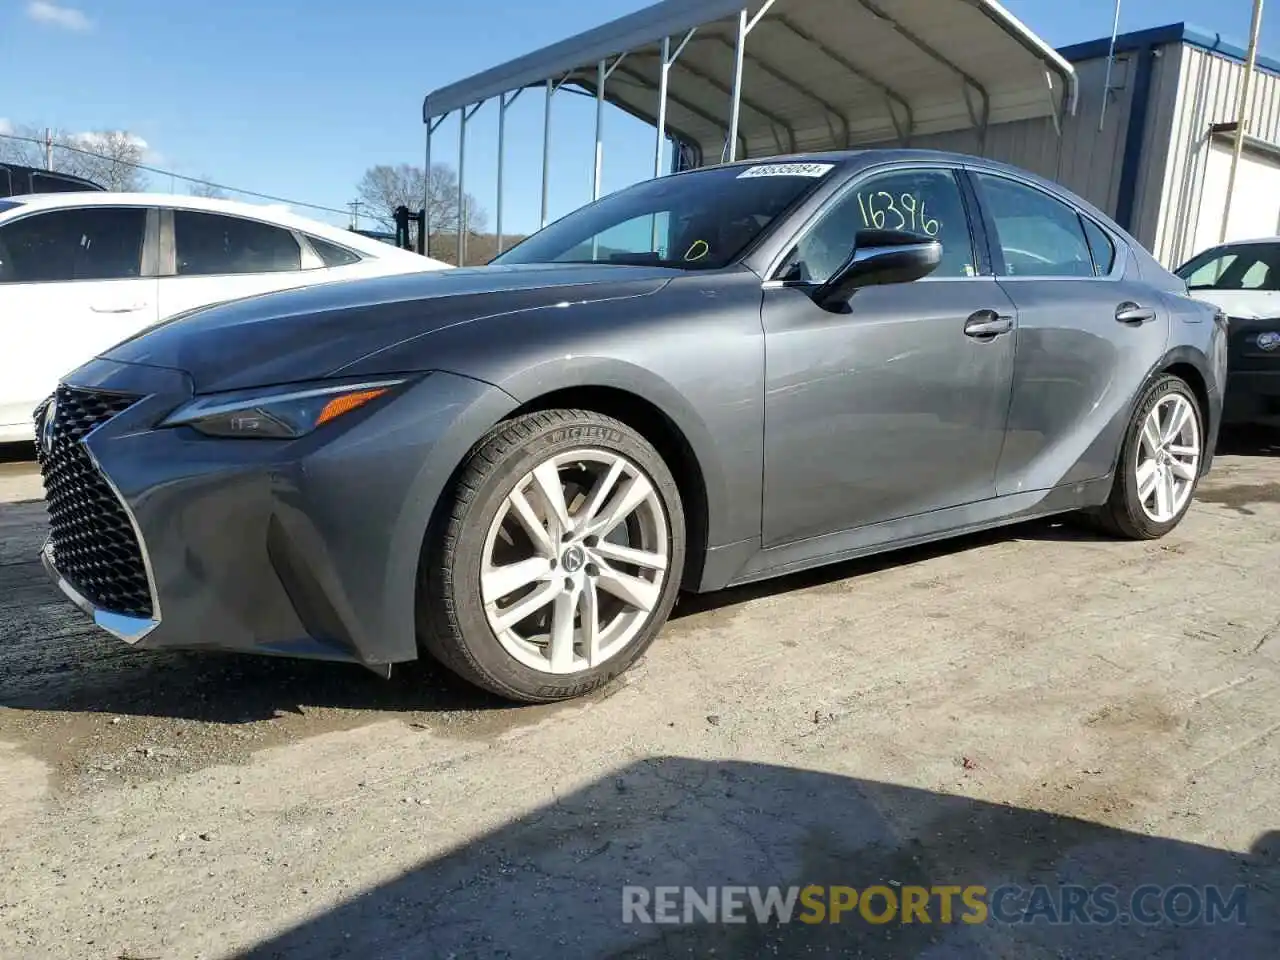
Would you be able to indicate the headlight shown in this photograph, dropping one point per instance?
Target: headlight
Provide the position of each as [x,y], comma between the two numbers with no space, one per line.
[280,413]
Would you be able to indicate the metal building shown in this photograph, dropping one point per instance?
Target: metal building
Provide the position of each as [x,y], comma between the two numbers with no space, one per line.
[1155,153]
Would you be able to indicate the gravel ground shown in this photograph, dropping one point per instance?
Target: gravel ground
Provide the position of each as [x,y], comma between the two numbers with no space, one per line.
[1031,706]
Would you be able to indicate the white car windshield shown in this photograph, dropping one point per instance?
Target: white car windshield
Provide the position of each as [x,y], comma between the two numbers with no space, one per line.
[1252,266]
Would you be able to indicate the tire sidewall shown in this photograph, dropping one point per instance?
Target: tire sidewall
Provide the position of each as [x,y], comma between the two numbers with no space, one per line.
[477,636]
[1162,388]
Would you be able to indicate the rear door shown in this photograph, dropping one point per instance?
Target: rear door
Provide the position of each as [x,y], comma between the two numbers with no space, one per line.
[73,282]
[1088,331]
[211,257]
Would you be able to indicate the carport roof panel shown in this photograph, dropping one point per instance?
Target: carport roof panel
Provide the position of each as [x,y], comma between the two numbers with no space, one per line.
[828,65]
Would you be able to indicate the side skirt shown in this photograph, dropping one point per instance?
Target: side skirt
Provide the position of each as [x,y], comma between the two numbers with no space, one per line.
[750,565]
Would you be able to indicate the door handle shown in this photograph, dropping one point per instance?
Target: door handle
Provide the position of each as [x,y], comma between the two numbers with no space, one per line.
[118,308]
[1132,313]
[987,324]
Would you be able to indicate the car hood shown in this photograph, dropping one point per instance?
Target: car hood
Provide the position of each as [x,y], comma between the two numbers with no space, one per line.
[1243,304]
[316,331]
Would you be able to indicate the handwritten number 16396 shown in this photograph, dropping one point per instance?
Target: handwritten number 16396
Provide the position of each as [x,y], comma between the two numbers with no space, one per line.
[882,211]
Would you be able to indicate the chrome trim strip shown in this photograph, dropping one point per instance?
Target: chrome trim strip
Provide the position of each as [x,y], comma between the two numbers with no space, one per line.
[137,533]
[129,629]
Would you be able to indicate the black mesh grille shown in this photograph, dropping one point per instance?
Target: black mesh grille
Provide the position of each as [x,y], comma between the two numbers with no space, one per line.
[94,545]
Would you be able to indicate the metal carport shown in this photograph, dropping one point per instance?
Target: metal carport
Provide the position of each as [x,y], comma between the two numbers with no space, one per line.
[816,75]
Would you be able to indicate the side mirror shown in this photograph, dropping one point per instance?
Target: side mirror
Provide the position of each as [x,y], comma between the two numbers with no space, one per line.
[879,257]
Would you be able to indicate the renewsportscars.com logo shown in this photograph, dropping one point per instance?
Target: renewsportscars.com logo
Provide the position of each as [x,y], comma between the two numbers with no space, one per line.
[1148,904]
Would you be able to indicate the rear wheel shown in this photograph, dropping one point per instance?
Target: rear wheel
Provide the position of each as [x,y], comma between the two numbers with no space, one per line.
[1159,464]
[556,561]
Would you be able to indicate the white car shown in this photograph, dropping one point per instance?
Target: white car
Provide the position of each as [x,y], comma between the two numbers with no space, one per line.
[79,272]
[1242,279]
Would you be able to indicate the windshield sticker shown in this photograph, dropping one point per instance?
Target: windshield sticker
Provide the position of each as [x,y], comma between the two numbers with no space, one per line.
[787,170]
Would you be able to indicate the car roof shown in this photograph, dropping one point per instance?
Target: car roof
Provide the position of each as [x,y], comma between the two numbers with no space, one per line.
[271,213]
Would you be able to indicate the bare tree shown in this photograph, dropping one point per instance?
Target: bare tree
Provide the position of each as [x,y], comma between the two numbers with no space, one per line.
[20,147]
[207,190]
[383,188]
[107,157]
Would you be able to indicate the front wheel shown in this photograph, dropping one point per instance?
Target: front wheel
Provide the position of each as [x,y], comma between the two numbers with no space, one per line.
[557,558]
[1159,463]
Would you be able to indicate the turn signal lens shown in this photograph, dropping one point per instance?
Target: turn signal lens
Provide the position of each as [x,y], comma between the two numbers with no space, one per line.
[346,403]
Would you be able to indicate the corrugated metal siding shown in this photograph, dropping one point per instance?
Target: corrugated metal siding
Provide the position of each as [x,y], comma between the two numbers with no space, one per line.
[1083,160]
[1209,86]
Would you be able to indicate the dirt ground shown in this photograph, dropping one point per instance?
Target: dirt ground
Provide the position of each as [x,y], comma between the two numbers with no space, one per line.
[1033,706]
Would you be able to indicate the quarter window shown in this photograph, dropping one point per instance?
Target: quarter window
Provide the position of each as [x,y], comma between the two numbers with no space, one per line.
[1039,235]
[88,243]
[207,244]
[331,254]
[926,202]
[1101,246]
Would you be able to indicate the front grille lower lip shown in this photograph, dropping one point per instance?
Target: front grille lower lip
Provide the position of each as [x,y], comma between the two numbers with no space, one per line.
[95,551]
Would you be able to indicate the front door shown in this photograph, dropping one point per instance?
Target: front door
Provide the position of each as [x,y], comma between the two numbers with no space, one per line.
[897,406]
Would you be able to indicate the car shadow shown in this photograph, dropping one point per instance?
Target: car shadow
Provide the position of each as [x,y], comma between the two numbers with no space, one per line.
[52,659]
[551,884]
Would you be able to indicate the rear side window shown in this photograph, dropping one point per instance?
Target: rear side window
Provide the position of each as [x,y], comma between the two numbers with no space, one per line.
[90,243]
[1039,235]
[332,254]
[208,244]
[1100,245]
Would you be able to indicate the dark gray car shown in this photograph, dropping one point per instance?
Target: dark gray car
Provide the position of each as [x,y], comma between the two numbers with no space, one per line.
[699,381]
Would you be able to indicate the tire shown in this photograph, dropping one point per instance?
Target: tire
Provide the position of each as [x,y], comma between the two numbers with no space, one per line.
[1124,514]
[462,611]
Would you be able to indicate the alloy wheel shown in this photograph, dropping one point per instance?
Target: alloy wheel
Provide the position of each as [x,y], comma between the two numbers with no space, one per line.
[575,560]
[1168,458]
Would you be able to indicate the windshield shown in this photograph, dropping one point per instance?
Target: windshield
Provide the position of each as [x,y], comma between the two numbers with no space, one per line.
[701,220]
[1254,266]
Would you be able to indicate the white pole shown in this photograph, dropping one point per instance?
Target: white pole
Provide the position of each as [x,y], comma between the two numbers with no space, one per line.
[462,167]
[600,82]
[425,225]
[662,109]
[730,152]
[1242,116]
[1111,59]
[546,149]
[502,131]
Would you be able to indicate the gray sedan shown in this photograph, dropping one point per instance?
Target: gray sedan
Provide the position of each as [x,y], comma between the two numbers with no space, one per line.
[702,380]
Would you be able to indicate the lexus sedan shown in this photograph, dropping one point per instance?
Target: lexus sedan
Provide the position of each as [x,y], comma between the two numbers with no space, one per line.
[1243,280]
[702,380]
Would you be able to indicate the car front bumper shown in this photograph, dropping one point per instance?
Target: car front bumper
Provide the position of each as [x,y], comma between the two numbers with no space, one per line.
[306,548]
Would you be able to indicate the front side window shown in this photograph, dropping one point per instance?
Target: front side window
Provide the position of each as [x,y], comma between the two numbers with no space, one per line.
[926,202]
[88,243]
[1252,267]
[207,244]
[1039,235]
[702,220]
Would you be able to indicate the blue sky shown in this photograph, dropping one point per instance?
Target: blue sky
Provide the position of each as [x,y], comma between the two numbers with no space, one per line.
[298,98]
